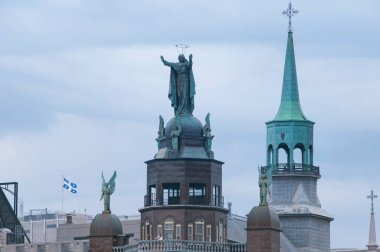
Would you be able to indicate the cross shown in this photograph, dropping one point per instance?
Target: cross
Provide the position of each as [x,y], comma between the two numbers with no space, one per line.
[372,197]
[290,12]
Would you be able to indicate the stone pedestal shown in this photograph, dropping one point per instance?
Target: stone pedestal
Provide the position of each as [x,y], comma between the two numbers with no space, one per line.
[105,232]
[263,230]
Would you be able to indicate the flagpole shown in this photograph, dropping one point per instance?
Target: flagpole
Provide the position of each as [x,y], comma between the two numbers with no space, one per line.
[62,196]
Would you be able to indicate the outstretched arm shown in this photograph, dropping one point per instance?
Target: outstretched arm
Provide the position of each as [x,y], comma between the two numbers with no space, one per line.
[166,63]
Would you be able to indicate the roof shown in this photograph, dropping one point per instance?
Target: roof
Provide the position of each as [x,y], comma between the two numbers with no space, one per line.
[236,228]
[290,107]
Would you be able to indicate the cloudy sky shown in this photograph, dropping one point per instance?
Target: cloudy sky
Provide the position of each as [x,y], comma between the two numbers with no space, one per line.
[82,85]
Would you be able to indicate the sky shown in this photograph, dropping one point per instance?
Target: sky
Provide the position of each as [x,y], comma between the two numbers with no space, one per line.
[82,86]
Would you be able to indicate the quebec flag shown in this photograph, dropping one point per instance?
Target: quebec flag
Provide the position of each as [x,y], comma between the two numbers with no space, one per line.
[70,186]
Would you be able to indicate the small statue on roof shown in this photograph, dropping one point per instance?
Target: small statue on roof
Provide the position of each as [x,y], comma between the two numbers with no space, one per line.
[263,184]
[107,190]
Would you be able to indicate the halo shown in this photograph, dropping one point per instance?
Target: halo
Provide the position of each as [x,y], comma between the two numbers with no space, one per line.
[181,48]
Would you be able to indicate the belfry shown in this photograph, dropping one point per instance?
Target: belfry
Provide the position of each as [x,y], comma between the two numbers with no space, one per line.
[290,165]
[184,182]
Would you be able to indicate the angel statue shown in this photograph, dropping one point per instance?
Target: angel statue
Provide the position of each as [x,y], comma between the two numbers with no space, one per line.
[263,184]
[107,190]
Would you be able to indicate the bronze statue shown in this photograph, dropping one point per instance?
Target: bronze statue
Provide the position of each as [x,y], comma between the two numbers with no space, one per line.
[263,184]
[107,190]
[182,85]
[207,132]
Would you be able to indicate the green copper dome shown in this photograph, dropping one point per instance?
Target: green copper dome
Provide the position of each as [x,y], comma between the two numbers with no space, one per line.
[190,125]
[290,107]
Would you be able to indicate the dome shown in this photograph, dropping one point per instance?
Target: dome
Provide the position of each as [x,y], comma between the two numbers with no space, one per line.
[191,126]
[106,224]
[263,217]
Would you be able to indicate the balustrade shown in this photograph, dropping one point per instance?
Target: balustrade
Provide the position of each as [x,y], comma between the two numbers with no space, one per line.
[182,245]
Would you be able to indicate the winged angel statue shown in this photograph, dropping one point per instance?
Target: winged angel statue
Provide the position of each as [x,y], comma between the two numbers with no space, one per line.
[107,190]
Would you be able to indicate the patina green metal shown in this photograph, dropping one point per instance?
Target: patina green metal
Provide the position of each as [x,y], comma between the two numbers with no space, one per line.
[263,184]
[181,85]
[107,190]
[290,107]
[207,133]
[290,129]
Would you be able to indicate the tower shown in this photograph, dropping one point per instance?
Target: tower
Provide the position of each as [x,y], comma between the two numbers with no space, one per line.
[184,182]
[290,164]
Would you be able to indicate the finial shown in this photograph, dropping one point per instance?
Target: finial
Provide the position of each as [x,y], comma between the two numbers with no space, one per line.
[290,12]
[182,48]
[372,197]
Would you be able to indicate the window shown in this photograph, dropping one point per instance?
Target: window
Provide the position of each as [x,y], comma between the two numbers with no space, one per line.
[216,195]
[199,230]
[152,195]
[171,193]
[168,228]
[190,232]
[159,232]
[220,231]
[208,233]
[178,231]
[146,230]
[197,194]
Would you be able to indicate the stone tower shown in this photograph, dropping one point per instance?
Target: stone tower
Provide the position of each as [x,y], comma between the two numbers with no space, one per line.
[290,162]
[184,182]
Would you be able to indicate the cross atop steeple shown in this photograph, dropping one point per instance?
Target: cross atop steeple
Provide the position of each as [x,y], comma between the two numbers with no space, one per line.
[290,12]
[372,197]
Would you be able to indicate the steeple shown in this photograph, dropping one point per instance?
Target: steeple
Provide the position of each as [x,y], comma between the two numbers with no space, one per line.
[290,107]
[372,244]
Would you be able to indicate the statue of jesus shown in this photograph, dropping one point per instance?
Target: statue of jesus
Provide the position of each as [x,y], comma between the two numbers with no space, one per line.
[182,85]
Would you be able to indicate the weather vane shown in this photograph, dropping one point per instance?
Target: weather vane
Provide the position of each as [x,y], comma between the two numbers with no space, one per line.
[372,197]
[290,12]
[182,48]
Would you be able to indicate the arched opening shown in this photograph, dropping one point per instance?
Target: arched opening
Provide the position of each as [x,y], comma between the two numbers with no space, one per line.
[283,154]
[299,155]
[270,155]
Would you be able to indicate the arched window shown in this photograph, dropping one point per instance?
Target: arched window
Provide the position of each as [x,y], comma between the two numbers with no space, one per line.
[190,231]
[147,230]
[199,229]
[270,155]
[208,233]
[168,228]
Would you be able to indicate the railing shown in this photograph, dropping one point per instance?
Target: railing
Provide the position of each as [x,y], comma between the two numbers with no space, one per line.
[151,200]
[182,245]
[294,168]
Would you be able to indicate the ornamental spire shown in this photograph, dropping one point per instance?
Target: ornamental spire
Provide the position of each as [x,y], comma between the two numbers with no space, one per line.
[290,12]
[290,107]
[372,244]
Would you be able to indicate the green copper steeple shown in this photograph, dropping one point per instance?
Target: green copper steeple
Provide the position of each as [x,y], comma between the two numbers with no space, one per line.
[290,107]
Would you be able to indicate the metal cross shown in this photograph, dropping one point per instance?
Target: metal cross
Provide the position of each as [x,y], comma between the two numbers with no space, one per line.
[372,197]
[290,12]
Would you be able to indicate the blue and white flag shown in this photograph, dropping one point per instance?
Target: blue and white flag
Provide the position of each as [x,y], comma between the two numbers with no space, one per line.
[70,186]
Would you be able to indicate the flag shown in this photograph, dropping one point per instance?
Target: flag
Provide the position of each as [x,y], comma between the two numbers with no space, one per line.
[70,186]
